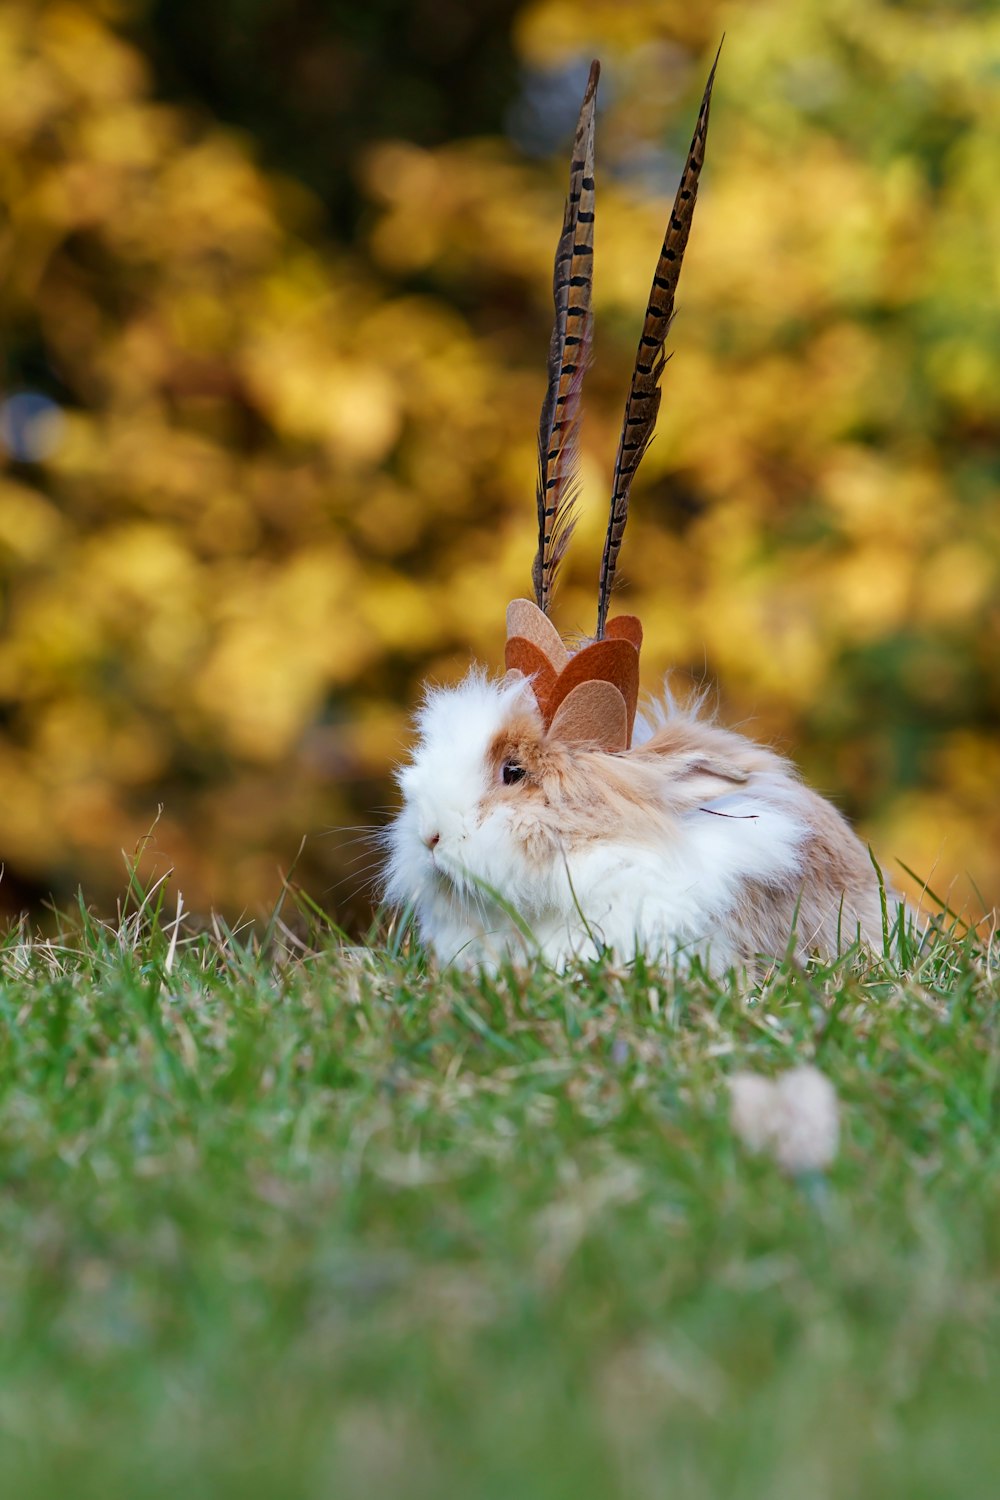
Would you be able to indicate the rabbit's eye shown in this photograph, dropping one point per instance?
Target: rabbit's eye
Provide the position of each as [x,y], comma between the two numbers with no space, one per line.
[512,773]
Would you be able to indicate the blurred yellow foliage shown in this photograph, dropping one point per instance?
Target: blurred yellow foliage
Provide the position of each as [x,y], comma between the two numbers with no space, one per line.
[278,482]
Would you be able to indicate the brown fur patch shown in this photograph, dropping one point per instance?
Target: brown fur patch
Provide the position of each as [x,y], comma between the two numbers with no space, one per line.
[521,741]
[581,795]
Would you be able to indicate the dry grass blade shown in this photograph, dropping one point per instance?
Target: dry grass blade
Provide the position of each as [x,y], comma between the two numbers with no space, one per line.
[644,395]
[569,352]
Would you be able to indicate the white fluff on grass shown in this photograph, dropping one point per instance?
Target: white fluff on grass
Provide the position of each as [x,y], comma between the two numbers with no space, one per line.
[794,1118]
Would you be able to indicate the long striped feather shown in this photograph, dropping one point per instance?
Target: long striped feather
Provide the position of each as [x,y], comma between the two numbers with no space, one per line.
[569,353]
[644,395]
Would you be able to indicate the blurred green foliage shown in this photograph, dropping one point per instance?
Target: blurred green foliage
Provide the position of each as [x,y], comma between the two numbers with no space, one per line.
[274,290]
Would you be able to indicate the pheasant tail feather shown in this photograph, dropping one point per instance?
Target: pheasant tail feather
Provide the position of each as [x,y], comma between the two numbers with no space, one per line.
[644,395]
[569,354]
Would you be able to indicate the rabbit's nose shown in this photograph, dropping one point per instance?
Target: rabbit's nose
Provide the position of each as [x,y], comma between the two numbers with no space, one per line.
[432,840]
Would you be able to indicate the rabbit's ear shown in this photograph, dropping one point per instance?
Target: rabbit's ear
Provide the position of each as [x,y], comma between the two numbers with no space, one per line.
[714,765]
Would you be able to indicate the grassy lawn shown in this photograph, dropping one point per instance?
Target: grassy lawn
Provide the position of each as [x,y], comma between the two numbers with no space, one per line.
[308,1224]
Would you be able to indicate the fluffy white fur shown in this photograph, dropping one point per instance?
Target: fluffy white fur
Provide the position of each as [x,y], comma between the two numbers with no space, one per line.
[716,868]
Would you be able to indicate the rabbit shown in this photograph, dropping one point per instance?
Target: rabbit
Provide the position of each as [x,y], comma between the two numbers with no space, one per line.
[542,814]
[695,842]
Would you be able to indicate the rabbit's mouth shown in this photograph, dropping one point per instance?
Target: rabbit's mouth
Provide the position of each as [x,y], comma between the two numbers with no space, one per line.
[443,880]
[452,881]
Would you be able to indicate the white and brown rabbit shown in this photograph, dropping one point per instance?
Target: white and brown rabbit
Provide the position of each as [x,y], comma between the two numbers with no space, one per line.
[540,813]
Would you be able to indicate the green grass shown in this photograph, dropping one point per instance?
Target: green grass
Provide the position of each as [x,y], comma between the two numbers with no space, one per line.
[285,1223]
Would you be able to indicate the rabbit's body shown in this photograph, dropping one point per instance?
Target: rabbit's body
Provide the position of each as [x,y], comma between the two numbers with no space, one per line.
[696,841]
[537,810]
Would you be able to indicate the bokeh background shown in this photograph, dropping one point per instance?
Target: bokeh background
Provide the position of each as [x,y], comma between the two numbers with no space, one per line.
[274,293]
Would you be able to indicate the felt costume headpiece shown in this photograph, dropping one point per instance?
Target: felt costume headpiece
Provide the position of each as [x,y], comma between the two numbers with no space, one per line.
[589,696]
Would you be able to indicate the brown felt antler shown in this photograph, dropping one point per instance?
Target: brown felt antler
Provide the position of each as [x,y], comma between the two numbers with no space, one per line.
[589,697]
